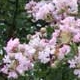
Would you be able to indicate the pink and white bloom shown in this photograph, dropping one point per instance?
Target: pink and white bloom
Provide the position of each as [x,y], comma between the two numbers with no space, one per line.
[63,51]
[70,6]
[76,38]
[75,64]
[12,45]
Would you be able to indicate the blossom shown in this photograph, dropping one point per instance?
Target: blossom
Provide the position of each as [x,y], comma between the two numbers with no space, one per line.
[12,45]
[70,25]
[45,10]
[44,56]
[35,41]
[76,38]
[75,64]
[50,10]
[54,38]
[13,75]
[63,51]
[4,69]
[17,62]
[72,63]
[16,66]
[77,72]
[70,6]
[30,5]
[6,59]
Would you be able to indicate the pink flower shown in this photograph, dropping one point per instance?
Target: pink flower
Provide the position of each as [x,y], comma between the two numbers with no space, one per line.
[56,33]
[30,5]
[63,51]
[78,23]
[54,37]
[72,63]
[25,66]
[53,41]
[44,42]
[76,38]
[4,70]
[13,75]
[12,45]
[63,4]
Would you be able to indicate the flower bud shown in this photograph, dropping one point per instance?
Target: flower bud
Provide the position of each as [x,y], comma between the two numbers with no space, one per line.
[43,30]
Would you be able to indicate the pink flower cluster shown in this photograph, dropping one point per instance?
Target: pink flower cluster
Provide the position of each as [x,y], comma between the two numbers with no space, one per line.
[17,60]
[75,63]
[50,10]
[23,57]
[66,30]
[72,26]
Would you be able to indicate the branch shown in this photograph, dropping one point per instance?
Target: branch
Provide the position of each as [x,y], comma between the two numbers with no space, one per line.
[12,28]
